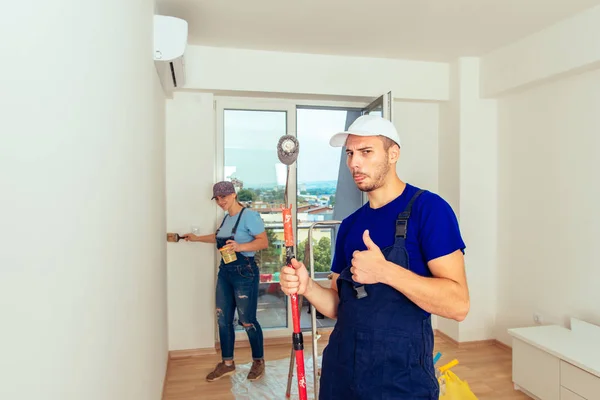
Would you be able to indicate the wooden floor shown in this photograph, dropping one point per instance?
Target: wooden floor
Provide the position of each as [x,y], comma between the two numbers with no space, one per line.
[487,369]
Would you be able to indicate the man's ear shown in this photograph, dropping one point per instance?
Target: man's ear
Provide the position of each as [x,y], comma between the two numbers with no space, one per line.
[394,153]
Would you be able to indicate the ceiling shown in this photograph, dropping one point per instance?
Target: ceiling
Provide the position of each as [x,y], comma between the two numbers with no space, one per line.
[429,30]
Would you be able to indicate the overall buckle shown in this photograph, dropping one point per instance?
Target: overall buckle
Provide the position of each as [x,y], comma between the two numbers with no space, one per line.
[360,292]
[401,227]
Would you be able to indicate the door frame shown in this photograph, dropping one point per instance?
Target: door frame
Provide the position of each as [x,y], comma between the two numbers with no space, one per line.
[222,104]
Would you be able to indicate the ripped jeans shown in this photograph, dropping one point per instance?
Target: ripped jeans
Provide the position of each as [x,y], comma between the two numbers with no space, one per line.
[237,287]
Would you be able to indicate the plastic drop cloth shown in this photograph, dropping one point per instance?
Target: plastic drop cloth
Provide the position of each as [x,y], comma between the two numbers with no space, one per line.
[273,384]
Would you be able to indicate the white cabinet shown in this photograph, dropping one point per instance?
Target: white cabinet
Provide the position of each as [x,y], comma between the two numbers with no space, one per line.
[566,394]
[533,368]
[555,363]
[579,381]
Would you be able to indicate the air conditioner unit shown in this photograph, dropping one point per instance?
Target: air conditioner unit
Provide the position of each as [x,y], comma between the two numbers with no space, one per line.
[170,42]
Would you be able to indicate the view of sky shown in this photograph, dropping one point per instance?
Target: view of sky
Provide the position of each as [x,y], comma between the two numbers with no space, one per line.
[251,145]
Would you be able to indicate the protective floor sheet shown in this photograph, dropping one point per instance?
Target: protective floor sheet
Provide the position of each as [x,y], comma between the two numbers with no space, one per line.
[273,385]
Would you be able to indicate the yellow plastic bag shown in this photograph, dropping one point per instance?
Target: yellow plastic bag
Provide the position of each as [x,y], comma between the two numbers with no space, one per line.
[452,387]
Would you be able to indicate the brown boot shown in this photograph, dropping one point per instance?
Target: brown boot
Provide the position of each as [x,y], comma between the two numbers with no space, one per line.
[257,370]
[220,371]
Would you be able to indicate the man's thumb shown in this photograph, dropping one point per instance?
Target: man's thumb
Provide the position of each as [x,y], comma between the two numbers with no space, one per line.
[368,242]
[296,264]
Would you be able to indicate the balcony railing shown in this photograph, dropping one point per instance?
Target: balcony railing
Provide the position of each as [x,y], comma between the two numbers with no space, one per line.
[272,259]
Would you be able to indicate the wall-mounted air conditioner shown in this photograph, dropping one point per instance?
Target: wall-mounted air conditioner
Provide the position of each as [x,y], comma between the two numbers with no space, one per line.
[170,42]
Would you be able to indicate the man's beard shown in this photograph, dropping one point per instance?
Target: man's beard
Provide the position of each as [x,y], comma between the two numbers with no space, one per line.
[378,178]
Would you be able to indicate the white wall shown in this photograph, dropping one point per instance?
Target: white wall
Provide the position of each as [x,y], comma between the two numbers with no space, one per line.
[82,262]
[478,201]
[190,175]
[547,85]
[222,69]
[548,197]
[567,47]
[468,180]
[449,143]
[418,126]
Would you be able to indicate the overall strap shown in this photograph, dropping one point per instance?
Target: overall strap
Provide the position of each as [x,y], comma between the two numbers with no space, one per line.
[220,226]
[237,222]
[402,220]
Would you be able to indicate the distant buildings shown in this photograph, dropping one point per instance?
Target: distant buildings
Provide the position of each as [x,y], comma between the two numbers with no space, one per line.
[315,203]
[307,215]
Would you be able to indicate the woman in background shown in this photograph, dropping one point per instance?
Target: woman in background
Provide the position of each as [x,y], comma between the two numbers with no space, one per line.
[242,231]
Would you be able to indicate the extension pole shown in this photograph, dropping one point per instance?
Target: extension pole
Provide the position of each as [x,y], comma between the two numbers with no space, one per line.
[297,339]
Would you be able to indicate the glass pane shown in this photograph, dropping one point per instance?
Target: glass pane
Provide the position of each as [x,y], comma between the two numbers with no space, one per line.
[318,171]
[250,155]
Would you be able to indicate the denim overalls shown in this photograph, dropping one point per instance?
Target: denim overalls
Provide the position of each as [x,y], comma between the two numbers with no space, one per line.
[237,287]
[382,344]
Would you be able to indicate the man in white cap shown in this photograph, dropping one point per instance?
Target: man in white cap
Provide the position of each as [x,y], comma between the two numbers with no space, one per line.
[398,259]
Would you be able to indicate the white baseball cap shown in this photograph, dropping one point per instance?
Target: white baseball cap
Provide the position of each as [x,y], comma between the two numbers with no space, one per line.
[367,125]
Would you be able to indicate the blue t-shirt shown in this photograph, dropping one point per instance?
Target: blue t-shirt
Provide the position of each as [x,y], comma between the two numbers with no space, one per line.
[251,224]
[432,230]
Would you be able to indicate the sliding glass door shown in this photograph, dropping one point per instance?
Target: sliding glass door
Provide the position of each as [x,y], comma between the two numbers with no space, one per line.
[320,188]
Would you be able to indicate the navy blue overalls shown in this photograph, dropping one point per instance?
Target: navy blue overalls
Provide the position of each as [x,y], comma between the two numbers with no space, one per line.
[382,344]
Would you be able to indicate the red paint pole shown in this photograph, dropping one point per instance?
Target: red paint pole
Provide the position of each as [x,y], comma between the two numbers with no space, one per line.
[288,234]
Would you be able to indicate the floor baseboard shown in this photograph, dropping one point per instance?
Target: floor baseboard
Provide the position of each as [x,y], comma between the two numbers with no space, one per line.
[175,354]
[471,344]
[503,346]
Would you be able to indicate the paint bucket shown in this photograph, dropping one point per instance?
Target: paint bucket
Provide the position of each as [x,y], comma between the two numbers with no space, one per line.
[228,254]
